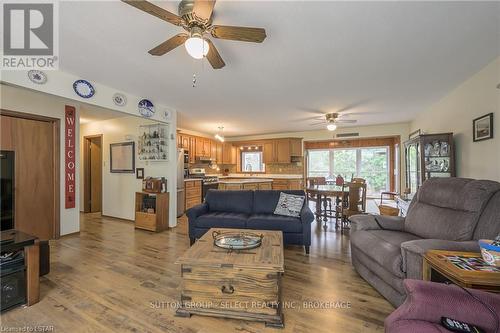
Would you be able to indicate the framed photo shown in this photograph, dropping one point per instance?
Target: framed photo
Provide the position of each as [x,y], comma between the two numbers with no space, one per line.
[122,157]
[139,173]
[482,128]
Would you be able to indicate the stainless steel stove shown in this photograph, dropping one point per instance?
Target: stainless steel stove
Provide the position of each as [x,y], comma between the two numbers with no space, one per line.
[209,181]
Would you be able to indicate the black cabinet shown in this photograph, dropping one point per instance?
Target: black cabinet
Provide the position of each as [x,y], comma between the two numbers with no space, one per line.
[427,156]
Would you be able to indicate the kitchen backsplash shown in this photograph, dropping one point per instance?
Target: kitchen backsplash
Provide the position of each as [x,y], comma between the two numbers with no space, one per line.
[272,168]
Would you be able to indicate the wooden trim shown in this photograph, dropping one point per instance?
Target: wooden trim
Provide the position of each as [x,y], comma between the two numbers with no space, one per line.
[117,218]
[390,142]
[32,254]
[86,170]
[76,233]
[56,126]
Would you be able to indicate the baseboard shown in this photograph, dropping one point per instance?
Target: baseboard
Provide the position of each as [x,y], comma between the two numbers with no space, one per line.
[117,218]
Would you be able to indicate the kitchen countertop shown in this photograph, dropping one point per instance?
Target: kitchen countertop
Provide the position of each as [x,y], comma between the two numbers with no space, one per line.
[245,181]
[264,175]
[192,179]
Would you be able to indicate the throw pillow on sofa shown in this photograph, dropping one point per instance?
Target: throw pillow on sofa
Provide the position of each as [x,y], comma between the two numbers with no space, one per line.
[289,205]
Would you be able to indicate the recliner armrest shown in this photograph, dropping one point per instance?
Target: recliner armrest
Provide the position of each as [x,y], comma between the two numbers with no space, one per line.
[194,212]
[413,251]
[376,222]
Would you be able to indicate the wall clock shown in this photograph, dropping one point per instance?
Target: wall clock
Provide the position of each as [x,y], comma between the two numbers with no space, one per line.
[83,88]
[37,76]
[119,99]
[146,108]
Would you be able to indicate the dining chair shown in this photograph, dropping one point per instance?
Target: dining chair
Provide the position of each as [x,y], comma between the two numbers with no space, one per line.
[313,181]
[356,203]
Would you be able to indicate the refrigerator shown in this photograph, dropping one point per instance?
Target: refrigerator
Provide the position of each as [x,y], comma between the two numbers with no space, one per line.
[180,182]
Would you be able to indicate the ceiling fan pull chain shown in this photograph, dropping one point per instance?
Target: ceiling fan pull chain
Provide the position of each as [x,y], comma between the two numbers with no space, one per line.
[194,80]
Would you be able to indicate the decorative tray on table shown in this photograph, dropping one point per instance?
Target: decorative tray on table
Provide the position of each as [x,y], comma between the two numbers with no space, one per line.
[237,240]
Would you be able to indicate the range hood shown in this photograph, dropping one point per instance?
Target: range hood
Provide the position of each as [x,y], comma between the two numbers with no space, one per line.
[204,159]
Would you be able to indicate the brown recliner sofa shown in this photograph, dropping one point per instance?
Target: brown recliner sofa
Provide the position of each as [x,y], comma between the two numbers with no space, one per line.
[445,214]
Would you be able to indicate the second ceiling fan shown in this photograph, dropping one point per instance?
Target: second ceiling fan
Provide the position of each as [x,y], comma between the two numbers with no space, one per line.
[195,16]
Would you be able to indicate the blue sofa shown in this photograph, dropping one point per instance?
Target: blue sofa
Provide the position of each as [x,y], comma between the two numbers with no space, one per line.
[249,210]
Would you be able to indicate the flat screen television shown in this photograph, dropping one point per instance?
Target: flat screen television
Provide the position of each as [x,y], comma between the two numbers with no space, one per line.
[7,159]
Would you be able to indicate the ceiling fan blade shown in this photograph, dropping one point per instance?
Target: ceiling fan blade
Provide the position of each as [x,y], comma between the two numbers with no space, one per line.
[169,45]
[154,10]
[213,56]
[244,34]
[320,123]
[346,121]
[203,9]
[307,119]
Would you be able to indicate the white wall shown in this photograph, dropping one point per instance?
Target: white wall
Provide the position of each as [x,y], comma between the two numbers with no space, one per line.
[475,97]
[58,92]
[118,193]
[22,100]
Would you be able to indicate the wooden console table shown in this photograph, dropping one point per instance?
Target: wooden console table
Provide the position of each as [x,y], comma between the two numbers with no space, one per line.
[437,266]
[12,240]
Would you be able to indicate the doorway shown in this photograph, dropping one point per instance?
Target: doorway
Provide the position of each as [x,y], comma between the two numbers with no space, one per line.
[92,180]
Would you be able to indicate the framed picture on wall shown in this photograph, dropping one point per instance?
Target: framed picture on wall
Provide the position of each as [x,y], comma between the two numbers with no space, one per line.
[482,127]
[122,157]
[139,173]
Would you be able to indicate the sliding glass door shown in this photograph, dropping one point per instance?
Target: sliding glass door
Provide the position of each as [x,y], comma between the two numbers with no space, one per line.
[371,163]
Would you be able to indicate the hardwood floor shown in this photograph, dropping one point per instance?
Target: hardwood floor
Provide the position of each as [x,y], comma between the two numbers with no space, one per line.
[113,278]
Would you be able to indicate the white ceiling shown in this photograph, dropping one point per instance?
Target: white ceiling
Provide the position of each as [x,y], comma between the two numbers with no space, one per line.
[390,60]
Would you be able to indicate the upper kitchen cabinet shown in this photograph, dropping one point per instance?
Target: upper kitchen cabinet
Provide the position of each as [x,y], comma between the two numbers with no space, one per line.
[296,147]
[281,150]
[229,153]
[218,156]
[202,147]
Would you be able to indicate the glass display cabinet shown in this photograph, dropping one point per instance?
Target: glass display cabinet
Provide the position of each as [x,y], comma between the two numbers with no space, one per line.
[427,156]
[153,142]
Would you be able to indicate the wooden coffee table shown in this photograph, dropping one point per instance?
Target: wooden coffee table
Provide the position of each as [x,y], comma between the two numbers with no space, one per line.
[239,284]
[436,261]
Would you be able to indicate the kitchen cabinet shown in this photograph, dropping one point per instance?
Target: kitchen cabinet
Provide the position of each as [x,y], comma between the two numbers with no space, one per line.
[296,147]
[185,142]
[192,192]
[228,154]
[213,150]
[218,157]
[281,150]
[179,140]
[287,184]
[192,149]
[268,154]
[202,147]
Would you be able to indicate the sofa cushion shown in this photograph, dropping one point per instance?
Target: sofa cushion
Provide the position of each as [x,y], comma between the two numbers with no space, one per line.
[449,208]
[289,205]
[230,201]
[265,201]
[383,247]
[274,222]
[222,220]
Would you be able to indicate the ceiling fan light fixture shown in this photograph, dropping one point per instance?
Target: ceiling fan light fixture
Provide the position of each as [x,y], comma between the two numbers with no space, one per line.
[331,127]
[196,46]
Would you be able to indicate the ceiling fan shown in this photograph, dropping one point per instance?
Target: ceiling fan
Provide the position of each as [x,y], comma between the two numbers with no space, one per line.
[332,119]
[195,16]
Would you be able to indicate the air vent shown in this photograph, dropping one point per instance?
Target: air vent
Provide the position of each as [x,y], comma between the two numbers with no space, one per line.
[346,135]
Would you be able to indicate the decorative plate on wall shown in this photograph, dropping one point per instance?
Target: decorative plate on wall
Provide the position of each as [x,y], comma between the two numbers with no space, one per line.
[146,108]
[37,76]
[119,99]
[83,88]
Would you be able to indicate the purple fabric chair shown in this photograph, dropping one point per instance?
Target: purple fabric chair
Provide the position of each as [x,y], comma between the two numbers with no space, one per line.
[426,302]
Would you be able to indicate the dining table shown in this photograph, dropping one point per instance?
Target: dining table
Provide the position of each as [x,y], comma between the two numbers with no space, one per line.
[338,193]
